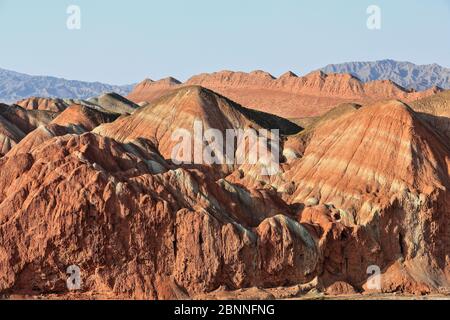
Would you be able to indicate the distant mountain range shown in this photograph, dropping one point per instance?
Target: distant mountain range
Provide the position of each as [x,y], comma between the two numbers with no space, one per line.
[406,74]
[16,86]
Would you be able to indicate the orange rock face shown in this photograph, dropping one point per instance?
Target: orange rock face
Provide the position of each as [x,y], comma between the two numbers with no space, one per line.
[76,119]
[46,104]
[149,90]
[136,229]
[289,96]
[181,109]
[361,187]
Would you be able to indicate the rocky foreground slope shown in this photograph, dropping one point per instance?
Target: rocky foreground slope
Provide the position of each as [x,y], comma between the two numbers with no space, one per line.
[362,186]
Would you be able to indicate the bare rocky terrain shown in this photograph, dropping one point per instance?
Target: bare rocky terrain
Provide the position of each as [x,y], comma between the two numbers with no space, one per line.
[91,183]
[288,96]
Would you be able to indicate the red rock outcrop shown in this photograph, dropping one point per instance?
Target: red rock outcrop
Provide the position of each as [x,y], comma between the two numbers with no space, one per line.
[149,90]
[109,102]
[298,97]
[76,119]
[135,231]
[180,110]
[338,159]
[387,172]
[10,135]
[26,120]
[370,188]
[16,123]
[288,96]
[436,111]
[46,104]
[375,183]
[114,103]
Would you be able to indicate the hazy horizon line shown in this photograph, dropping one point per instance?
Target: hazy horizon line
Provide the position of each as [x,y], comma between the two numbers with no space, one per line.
[202,72]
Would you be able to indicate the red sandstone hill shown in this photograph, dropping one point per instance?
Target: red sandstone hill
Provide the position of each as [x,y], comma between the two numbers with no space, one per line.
[114,103]
[370,187]
[16,123]
[109,102]
[149,90]
[288,96]
[32,121]
[76,119]
[180,110]
[9,135]
[47,104]
[386,148]
[374,179]
[436,111]
[137,229]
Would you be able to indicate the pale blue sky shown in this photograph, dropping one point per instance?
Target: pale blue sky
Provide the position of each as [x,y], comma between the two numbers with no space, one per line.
[126,41]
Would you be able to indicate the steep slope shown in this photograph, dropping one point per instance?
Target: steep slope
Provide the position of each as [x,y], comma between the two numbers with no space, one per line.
[375,183]
[406,74]
[435,110]
[26,120]
[180,110]
[72,116]
[45,104]
[387,172]
[338,160]
[16,123]
[295,145]
[76,119]
[84,117]
[298,97]
[288,96]
[149,90]
[15,86]
[438,105]
[372,189]
[112,102]
[10,135]
[136,229]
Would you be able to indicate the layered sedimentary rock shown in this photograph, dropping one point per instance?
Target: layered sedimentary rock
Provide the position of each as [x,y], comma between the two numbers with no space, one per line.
[108,102]
[16,123]
[373,183]
[10,135]
[149,90]
[136,229]
[35,118]
[288,96]
[369,186]
[381,173]
[47,104]
[182,109]
[436,111]
[76,119]
[114,103]
[26,120]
